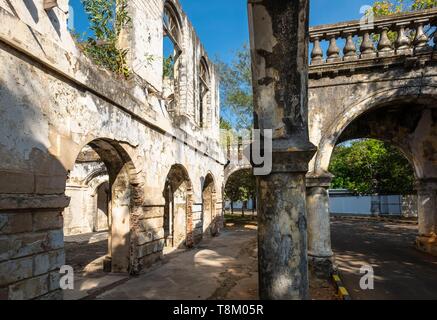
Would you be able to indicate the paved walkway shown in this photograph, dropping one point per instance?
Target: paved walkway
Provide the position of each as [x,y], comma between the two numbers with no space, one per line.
[220,268]
[401,272]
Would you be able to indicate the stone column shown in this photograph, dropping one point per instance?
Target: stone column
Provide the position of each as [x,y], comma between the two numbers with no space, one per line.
[427,206]
[320,255]
[427,211]
[279,45]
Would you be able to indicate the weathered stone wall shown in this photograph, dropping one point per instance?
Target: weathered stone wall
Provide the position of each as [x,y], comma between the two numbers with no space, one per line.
[53,102]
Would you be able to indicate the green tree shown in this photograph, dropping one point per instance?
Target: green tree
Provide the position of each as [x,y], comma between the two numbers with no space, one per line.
[423,4]
[241,186]
[389,7]
[247,187]
[236,89]
[371,166]
[225,124]
[107,20]
[168,67]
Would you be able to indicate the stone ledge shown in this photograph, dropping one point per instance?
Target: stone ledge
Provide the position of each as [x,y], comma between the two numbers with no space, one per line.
[29,201]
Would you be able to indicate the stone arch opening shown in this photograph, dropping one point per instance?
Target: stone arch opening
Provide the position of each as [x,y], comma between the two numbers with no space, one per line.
[210,219]
[229,171]
[376,173]
[178,214]
[240,192]
[112,194]
[407,109]
[405,123]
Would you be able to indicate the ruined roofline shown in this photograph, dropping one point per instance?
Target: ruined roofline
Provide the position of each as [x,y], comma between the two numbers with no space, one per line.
[183,15]
[356,25]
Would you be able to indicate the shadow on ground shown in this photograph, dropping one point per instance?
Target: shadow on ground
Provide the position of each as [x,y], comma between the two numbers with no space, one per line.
[219,268]
[401,272]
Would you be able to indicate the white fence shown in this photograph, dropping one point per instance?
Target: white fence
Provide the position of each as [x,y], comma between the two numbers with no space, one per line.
[238,205]
[342,202]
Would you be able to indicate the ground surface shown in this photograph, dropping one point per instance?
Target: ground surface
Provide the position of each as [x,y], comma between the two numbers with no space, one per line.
[221,268]
[85,252]
[401,272]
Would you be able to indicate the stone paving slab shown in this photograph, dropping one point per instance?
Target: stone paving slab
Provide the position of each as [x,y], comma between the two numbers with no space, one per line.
[85,286]
[208,272]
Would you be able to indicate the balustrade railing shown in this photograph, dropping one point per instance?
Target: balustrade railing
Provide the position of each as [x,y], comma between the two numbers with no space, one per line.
[398,35]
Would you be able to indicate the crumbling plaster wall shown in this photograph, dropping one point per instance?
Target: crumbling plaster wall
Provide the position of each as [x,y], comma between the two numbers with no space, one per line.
[53,102]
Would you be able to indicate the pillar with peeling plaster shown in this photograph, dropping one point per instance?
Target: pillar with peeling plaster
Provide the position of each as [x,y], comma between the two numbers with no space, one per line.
[427,206]
[279,46]
[427,211]
[320,255]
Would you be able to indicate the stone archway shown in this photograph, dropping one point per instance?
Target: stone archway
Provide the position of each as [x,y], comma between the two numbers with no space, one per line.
[404,122]
[238,179]
[123,201]
[178,213]
[385,100]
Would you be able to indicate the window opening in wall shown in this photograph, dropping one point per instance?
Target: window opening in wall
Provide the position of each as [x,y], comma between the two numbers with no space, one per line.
[172,51]
[204,85]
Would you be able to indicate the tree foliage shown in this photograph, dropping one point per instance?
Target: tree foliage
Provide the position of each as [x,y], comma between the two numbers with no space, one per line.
[370,167]
[225,124]
[389,7]
[107,20]
[241,186]
[236,89]
[168,64]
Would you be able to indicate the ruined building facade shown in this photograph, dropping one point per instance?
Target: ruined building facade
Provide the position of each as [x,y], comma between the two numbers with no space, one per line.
[84,150]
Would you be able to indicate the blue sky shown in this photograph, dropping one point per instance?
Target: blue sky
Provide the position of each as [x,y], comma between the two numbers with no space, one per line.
[222,24]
